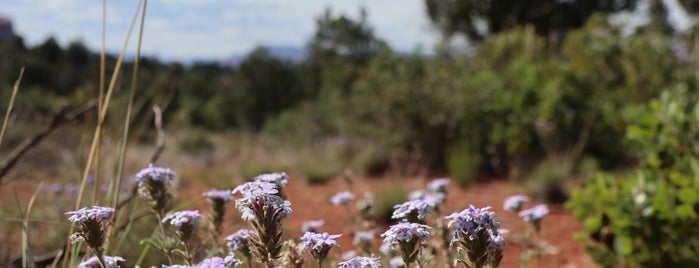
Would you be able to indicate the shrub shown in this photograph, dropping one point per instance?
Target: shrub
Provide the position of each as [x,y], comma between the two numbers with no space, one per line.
[648,218]
[550,180]
[195,141]
[462,163]
[386,200]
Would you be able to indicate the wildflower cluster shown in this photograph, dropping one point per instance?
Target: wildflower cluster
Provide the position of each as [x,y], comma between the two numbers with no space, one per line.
[360,262]
[265,211]
[153,183]
[319,244]
[476,232]
[240,242]
[218,200]
[94,262]
[92,227]
[342,198]
[415,210]
[515,202]
[279,179]
[409,238]
[312,226]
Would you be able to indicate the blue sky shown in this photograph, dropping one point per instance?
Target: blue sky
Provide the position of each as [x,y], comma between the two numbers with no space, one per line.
[211,29]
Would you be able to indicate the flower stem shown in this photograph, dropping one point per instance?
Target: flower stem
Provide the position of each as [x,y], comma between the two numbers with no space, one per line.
[100,257]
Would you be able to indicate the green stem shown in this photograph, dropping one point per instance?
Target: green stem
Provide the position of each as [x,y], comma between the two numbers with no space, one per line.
[188,254]
[100,257]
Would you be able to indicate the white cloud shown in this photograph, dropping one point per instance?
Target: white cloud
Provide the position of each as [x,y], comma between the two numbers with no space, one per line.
[185,29]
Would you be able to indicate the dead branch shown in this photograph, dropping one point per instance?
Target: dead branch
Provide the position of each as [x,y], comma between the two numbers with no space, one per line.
[59,119]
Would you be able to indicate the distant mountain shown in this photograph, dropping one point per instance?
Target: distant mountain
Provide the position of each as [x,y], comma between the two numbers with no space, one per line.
[288,53]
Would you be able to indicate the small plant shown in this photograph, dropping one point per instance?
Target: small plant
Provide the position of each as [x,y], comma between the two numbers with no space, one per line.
[262,207]
[319,245]
[409,237]
[184,223]
[92,228]
[477,233]
[240,242]
[360,262]
[218,200]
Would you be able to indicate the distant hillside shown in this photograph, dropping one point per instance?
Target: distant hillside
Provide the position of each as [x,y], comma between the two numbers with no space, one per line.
[293,54]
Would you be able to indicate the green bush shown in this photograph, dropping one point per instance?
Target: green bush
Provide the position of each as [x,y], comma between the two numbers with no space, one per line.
[462,163]
[195,141]
[385,200]
[648,218]
[550,180]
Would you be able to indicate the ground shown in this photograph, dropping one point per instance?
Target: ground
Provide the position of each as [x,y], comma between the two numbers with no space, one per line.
[310,202]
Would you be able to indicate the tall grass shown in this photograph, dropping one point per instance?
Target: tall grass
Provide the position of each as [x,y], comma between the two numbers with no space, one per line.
[102,113]
[15,88]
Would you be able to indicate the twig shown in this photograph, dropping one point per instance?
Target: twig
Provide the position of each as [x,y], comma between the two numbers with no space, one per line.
[161,134]
[59,119]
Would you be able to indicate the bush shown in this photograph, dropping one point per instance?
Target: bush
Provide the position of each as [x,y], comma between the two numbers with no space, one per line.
[386,200]
[462,163]
[550,180]
[648,218]
[195,141]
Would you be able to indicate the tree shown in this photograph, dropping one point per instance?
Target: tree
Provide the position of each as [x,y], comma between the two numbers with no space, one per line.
[477,19]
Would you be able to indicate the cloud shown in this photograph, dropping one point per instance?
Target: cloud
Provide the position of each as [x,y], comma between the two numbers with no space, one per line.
[186,29]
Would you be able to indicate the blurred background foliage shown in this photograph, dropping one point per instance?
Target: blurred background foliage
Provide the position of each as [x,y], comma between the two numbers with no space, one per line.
[532,82]
[544,93]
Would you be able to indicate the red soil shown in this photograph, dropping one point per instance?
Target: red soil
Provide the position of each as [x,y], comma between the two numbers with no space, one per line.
[310,202]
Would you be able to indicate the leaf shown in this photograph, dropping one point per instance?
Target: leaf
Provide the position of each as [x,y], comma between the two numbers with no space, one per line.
[685,212]
[688,196]
[623,244]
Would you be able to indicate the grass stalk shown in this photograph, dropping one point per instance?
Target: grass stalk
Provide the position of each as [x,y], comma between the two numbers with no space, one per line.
[102,115]
[127,120]
[27,258]
[15,88]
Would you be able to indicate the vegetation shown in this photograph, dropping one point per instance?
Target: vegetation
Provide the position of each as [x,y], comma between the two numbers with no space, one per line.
[545,94]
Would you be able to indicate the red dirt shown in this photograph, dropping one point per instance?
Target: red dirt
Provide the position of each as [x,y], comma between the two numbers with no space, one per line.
[310,202]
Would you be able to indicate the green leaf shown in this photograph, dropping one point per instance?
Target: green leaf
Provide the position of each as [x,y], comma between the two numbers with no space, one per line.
[685,212]
[623,244]
[688,196]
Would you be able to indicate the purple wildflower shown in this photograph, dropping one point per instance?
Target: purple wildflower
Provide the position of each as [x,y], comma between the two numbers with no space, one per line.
[219,195]
[361,237]
[265,211]
[406,232]
[515,202]
[154,173]
[319,244]
[439,185]
[280,179]
[534,214]
[312,226]
[94,262]
[342,198]
[185,217]
[239,240]
[396,262]
[472,220]
[152,186]
[413,210]
[477,233]
[94,213]
[184,222]
[218,262]
[360,262]
[255,188]
[92,225]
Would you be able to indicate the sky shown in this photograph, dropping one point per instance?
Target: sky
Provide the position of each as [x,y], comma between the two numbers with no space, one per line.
[211,29]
